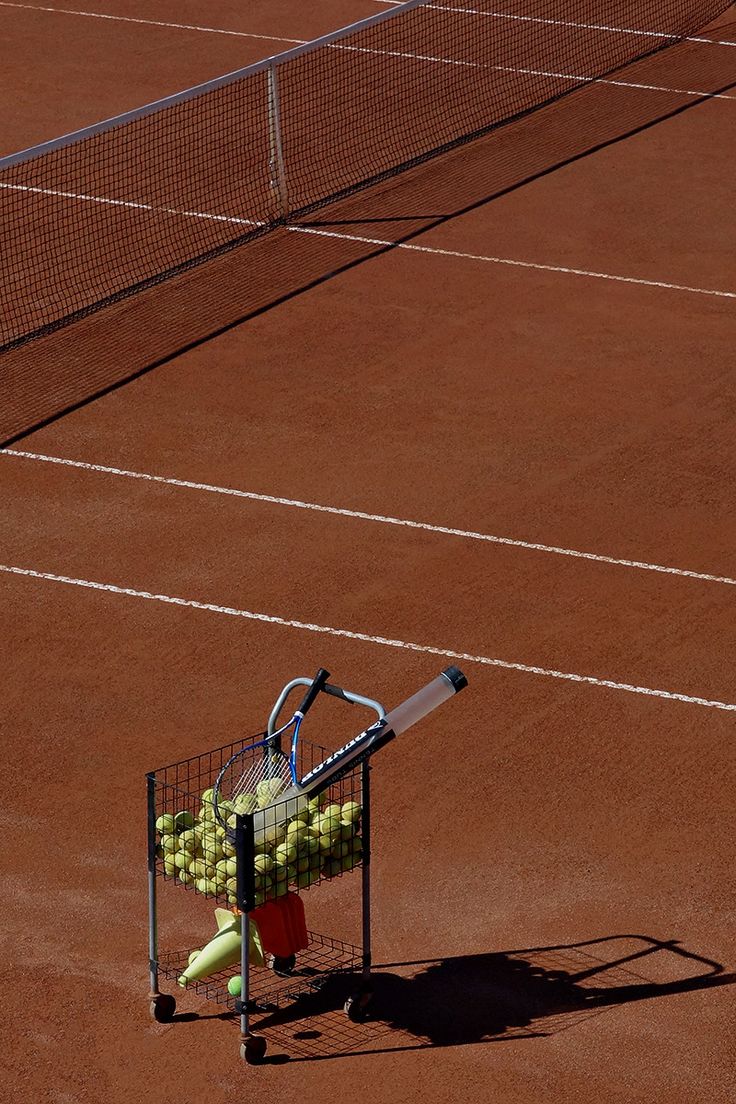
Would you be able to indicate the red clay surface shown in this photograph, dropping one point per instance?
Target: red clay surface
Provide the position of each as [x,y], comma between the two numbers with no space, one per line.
[539,814]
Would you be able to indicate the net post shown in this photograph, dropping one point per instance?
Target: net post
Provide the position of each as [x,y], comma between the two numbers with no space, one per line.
[276,163]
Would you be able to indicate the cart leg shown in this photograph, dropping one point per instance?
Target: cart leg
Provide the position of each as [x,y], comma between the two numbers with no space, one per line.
[358,1004]
[161,1005]
[252,1047]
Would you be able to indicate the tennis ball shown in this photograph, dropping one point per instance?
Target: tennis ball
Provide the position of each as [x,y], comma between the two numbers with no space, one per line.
[232,899]
[169,865]
[351,812]
[332,868]
[231,866]
[245,803]
[279,871]
[291,872]
[201,885]
[356,845]
[303,864]
[221,868]
[182,859]
[307,878]
[274,835]
[211,889]
[327,842]
[279,889]
[333,810]
[170,843]
[228,848]
[188,840]
[263,863]
[193,955]
[348,862]
[330,823]
[165,824]
[186,877]
[263,881]
[234,985]
[231,885]
[183,820]
[286,852]
[341,849]
[267,790]
[212,848]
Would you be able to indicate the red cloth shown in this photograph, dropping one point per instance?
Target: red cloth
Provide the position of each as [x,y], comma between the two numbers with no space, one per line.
[282,925]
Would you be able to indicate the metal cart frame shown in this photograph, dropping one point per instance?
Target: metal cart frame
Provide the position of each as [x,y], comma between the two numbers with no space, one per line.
[163,1005]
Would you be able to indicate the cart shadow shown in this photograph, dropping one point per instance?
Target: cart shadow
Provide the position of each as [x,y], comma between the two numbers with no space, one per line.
[482,998]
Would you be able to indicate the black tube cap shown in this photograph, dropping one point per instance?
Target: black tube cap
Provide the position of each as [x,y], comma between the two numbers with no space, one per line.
[455,676]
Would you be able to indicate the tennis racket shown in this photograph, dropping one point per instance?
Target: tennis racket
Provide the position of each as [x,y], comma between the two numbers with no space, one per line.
[259,773]
[295,797]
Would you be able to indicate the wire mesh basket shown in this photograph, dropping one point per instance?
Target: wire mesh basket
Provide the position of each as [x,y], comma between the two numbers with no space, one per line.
[295,851]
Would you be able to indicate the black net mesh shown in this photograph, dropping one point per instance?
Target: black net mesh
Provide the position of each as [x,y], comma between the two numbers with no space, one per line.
[146,201]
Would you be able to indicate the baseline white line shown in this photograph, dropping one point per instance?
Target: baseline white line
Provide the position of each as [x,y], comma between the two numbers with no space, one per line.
[383,519]
[366,638]
[517,264]
[152,22]
[567,23]
[381,241]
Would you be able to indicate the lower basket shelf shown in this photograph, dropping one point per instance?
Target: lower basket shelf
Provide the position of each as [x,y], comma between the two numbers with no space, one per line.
[323,959]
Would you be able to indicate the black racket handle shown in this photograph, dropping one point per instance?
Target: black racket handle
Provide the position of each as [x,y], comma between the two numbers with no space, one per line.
[317,683]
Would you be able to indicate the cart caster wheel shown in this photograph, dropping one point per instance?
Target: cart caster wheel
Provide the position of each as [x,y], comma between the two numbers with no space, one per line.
[253,1050]
[283,965]
[162,1008]
[358,1007]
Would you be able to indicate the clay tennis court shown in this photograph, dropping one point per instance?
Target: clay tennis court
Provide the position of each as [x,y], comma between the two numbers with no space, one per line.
[483,416]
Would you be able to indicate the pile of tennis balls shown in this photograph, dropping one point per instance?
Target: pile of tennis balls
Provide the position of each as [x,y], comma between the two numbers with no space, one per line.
[322,840]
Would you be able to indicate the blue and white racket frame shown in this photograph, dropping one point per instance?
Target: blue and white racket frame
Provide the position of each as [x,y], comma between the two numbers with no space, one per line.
[169,787]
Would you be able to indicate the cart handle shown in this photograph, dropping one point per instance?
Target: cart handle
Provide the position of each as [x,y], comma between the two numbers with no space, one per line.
[327,688]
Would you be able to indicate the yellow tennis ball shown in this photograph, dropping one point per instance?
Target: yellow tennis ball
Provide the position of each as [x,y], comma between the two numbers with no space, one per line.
[350,812]
[182,859]
[165,824]
[170,843]
[286,852]
[188,840]
[183,820]
[231,866]
[263,864]
[170,865]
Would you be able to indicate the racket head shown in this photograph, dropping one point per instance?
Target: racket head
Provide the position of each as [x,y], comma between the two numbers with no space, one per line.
[251,779]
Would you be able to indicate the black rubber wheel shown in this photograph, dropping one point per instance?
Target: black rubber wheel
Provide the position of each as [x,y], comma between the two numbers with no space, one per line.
[283,965]
[163,1008]
[253,1050]
[358,1007]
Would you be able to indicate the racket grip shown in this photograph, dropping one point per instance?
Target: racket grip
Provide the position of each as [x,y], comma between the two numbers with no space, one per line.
[449,683]
[317,683]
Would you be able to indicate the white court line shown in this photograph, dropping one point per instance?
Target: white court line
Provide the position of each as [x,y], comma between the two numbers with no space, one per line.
[386,642]
[383,242]
[388,53]
[518,264]
[467,534]
[153,23]
[567,23]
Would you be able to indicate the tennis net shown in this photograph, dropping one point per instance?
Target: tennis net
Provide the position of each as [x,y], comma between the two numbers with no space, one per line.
[98,215]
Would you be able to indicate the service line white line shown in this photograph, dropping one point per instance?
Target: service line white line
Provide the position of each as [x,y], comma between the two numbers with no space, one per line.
[375,241]
[517,264]
[466,534]
[567,23]
[366,638]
